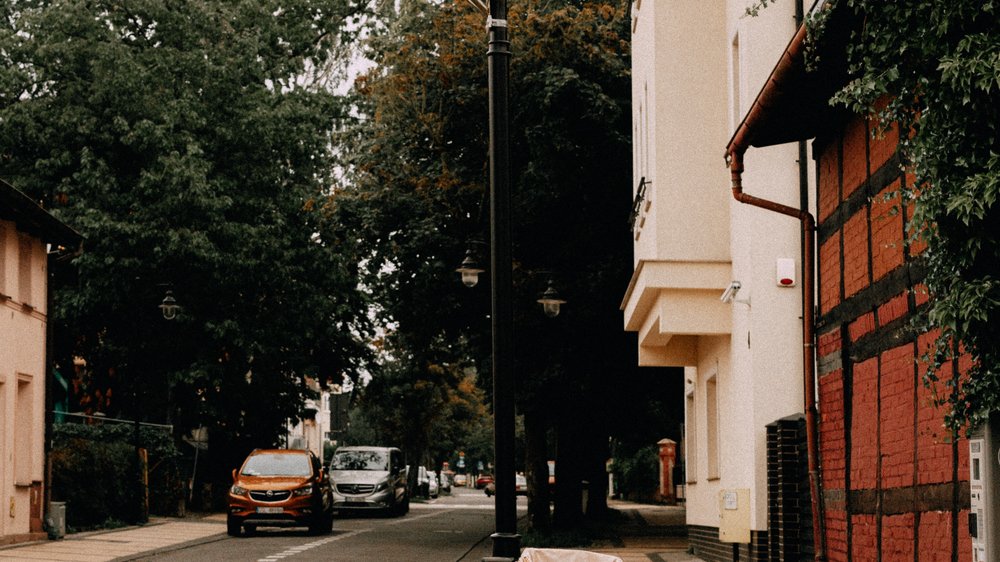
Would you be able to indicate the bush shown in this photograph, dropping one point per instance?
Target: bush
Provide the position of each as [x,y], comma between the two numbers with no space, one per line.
[637,475]
[94,472]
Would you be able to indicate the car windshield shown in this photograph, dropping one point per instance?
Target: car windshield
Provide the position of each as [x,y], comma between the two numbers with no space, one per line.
[277,464]
[360,460]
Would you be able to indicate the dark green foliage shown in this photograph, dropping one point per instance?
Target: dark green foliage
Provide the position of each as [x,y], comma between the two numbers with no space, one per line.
[190,143]
[94,471]
[96,480]
[637,472]
[418,185]
[933,70]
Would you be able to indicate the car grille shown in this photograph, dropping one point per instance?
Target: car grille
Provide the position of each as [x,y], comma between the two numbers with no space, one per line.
[270,495]
[355,489]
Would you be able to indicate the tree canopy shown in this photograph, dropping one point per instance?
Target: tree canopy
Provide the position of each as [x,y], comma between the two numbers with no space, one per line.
[190,143]
[417,184]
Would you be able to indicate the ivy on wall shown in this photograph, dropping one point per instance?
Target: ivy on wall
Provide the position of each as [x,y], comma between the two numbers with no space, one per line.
[933,68]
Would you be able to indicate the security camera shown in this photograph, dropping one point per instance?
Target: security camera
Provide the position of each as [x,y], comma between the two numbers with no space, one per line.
[730,293]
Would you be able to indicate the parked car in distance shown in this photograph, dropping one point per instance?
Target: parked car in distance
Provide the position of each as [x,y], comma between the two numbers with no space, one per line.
[369,478]
[483,480]
[280,488]
[445,483]
[433,487]
[520,486]
[461,480]
[423,482]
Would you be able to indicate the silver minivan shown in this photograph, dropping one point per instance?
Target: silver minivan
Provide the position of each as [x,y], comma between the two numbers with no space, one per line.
[367,478]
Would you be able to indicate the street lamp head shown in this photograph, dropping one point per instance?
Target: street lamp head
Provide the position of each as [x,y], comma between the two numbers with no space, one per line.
[470,269]
[169,306]
[551,301]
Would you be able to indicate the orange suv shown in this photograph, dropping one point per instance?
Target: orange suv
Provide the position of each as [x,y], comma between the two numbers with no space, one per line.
[280,488]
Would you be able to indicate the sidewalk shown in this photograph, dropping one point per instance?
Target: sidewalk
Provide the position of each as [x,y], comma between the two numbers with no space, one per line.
[645,533]
[159,535]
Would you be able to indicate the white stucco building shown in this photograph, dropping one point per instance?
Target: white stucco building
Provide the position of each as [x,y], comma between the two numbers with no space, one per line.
[26,231]
[696,68]
[316,431]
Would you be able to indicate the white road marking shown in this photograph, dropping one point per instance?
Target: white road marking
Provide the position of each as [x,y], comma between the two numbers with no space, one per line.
[412,518]
[292,551]
[298,549]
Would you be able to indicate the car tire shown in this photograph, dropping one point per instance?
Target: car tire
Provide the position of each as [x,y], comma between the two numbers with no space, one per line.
[321,524]
[394,510]
[234,526]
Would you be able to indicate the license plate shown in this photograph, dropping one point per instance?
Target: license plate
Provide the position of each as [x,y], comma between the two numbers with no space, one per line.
[270,510]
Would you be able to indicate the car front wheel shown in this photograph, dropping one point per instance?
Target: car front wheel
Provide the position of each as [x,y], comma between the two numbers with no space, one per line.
[234,526]
[322,524]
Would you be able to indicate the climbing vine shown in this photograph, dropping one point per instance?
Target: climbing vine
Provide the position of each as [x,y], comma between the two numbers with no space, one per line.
[933,68]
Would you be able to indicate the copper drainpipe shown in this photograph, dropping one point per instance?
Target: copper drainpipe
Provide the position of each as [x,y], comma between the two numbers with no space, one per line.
[734,157]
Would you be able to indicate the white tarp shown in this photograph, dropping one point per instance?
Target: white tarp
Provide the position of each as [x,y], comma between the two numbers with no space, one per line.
[563,555]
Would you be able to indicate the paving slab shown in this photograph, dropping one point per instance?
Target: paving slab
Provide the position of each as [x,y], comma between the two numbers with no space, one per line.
[105,546]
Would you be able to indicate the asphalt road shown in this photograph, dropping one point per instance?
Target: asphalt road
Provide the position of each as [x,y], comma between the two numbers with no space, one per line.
[450,528]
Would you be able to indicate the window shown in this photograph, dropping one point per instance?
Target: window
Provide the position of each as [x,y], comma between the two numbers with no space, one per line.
[3,425]
[690,433]
[4,291]
[712,427]
[24,270]
[24,430]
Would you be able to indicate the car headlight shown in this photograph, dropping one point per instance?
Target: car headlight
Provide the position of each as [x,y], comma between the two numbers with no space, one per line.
[302,491]
[237,491]
[381,486]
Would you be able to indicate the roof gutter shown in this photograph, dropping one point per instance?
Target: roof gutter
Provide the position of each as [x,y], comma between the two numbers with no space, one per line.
[737,147]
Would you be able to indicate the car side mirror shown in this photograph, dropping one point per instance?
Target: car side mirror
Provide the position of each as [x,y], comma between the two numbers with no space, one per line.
[234,475]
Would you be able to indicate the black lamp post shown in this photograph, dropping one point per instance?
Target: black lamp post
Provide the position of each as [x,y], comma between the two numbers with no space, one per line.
[506,541]
[168,308]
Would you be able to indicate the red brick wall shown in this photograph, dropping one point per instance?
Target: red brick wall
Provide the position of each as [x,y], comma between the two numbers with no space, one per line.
[895,484]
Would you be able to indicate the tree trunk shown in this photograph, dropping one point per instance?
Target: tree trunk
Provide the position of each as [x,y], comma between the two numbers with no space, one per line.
[568,513]
[537,472]
[597,476]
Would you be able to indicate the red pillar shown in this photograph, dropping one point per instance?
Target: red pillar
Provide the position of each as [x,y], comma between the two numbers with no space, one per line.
[668,457]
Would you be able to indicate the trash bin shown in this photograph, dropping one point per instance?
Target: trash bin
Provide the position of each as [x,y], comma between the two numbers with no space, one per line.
[55,521]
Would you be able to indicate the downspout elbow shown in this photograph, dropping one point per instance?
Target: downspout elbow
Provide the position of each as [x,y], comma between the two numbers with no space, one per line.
[734,160]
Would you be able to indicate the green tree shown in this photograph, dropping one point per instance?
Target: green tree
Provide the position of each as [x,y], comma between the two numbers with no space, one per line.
[417,175]
[190,143]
